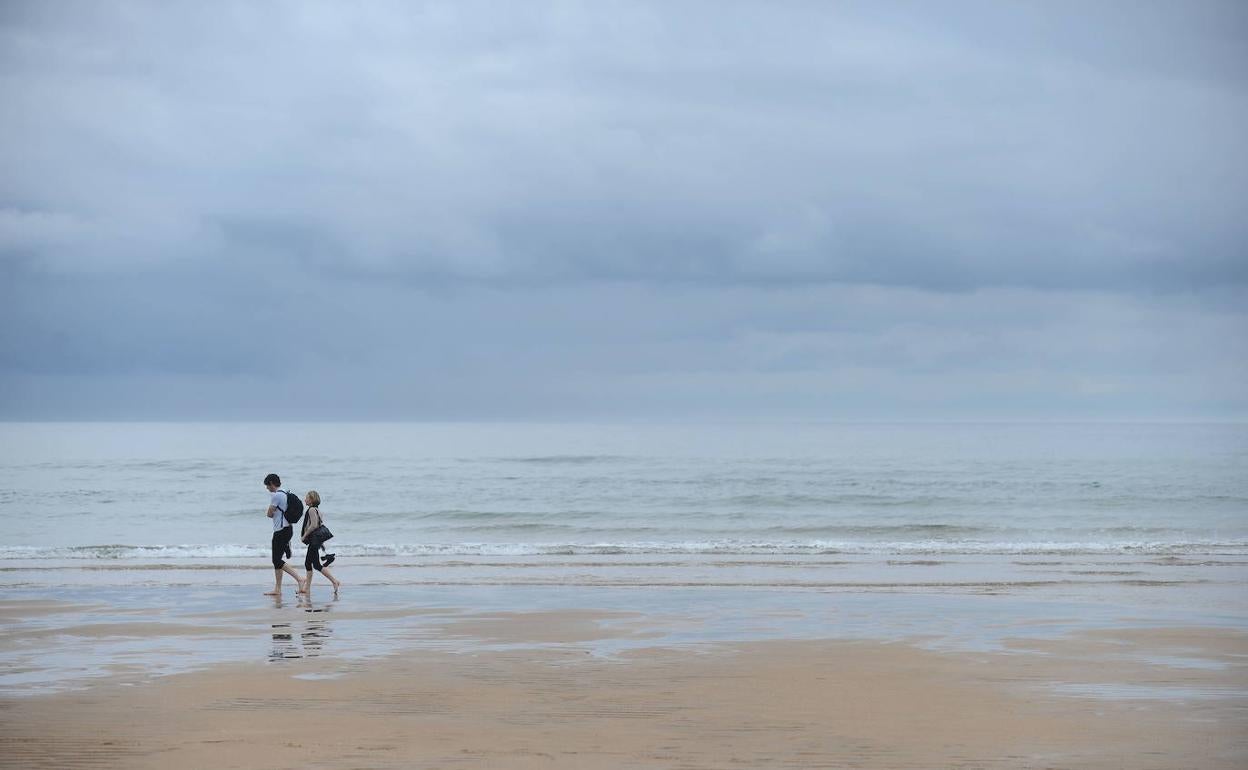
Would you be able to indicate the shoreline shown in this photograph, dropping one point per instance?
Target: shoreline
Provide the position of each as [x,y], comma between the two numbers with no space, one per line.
[215,613]
[556,688]
[620,662]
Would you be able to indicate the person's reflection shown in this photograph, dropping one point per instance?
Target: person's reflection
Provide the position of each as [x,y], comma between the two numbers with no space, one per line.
[312,627]
[316,629]
[283,643]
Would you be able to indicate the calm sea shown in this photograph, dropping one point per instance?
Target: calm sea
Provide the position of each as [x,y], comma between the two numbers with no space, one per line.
[183,492]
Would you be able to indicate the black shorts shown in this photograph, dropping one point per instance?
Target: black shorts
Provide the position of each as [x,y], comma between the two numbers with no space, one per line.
[281,544]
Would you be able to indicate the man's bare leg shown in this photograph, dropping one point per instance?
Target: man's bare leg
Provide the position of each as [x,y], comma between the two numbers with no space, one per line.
[303,588]
[277,580]
[277,584]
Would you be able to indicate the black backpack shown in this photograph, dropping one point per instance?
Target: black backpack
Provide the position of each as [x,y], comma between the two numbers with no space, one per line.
[294,508]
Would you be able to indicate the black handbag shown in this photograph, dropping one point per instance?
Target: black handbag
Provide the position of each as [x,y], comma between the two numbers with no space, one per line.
[319,535]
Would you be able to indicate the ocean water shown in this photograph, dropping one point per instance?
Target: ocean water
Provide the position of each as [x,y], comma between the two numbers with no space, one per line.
[133,550]
[181,494]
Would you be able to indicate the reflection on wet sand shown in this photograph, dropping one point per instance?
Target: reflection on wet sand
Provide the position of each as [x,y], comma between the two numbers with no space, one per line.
[312,630]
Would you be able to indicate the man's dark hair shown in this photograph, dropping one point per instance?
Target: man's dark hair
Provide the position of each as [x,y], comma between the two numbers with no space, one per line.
[273,479]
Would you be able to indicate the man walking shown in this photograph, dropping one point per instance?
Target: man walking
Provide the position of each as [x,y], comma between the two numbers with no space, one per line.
[282,533]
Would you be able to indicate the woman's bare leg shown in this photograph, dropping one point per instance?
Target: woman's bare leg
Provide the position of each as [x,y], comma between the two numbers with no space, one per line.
[325,571]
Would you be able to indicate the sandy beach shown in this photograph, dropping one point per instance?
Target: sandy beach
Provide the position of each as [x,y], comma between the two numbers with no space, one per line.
[667,385]
[611,689]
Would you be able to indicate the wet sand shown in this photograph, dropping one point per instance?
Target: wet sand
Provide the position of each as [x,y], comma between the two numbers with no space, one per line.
[1087,662]
[532,689]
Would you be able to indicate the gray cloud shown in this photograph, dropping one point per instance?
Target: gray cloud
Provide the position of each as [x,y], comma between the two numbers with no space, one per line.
[825,210]
[636,350]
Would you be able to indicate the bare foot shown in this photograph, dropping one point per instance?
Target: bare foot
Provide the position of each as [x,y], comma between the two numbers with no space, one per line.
[337,585]
[272,593]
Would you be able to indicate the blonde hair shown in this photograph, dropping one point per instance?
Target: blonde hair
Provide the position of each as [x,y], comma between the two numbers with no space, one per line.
[314,497]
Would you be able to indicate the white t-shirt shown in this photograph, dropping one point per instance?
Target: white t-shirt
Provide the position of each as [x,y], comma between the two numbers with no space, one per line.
[279,502]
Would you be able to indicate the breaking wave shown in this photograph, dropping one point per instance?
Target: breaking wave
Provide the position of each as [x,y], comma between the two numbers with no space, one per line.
[229,552]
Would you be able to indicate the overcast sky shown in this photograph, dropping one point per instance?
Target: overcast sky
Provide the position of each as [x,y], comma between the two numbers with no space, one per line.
[669,210]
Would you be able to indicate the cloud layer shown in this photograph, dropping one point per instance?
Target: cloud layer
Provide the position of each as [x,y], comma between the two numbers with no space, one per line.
[585,210]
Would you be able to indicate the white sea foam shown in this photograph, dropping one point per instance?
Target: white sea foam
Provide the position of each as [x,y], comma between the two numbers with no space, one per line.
[176,553]
[134,552]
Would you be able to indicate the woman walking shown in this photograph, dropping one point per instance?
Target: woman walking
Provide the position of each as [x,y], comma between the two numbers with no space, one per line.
[312,561]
